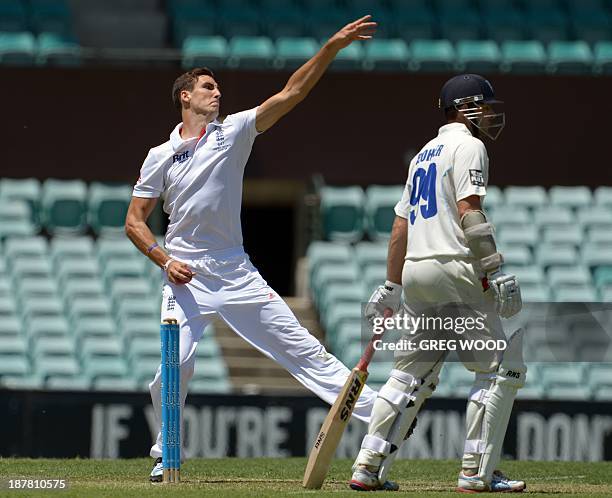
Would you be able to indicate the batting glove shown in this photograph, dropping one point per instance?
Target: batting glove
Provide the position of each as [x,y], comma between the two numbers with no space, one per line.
[385,296]
[507,293]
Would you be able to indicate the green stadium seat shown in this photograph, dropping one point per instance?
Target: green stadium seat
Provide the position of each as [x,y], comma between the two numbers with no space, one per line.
[599,217]
[477,55]
[603,393]
[106,366]
[129,268]
[603,196]
[569,276]
[214,368]
[114,384]
[67,383]
[95,327]
[329,274]
[145,369]
[553,216]
[8,308]
[35,268]
[13,346]
[130,288]
[350,57]
[563,373]
[50,15]
[373,276]
[56,327]
[597,255]
[342,213]
[27,189]
[21,382]
[569,57]
[367,253]
[494,197]
[333,294]
[17,48]
[64,206]
[380,209]
[144,347]
[98,347]
[379,372]
[518,56]
[15,211]
[517,255]
[600,375]
[539,293]
[43,307]
[85,268]
[59,366]
[86,308]
[577,294]
[12,364]
[563,235]
[595,235]
[10,327]
[205,51]
[71,248]
[340,314]
[26,247]
[603,276]
[386,54]
[28,288]
[574,197]
[243,21]
[603,57]
[53,346]
[198,21]
[460,377]
[529,197]
[121,249]
[518,234]
[293,52]
[107,208]
[432,55]
[21,228]
[320,252]
[55,49]
[507,215]
[250,52]
[348,332]
[135,310]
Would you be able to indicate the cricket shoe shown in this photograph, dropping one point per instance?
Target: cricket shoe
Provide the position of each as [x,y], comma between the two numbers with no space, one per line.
[157,474]
[499,484]
[364,480]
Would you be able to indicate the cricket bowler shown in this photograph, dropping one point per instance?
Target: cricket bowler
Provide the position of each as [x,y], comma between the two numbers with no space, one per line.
[198,173]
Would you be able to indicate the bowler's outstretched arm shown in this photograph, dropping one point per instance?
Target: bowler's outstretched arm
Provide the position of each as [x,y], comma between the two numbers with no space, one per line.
[306,77]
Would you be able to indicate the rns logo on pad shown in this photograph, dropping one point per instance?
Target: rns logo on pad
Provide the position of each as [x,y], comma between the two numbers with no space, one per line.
[180,158]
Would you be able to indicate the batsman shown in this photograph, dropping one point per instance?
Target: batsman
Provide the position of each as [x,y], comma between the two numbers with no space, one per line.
[443,255]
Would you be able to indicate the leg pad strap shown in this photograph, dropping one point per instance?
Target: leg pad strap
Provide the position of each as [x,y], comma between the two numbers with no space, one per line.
[375,443]
[396,398]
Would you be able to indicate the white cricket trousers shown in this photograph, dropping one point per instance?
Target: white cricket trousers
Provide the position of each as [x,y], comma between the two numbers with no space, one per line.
[227,285]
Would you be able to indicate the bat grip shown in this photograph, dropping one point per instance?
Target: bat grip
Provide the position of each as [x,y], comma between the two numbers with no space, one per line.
[367,355]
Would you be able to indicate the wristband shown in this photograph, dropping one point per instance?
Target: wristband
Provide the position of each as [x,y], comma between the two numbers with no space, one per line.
[151,247]
[167,264]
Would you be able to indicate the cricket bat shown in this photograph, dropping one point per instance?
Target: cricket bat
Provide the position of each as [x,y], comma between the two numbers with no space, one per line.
[338,417]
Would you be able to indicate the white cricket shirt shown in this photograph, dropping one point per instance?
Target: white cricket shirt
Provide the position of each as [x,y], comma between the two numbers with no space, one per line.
[200,181]
[451,167]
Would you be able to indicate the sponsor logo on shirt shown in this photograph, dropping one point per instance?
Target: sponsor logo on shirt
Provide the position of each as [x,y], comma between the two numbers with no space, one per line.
[476,178]
[171,303]
[180,158]
[220,140]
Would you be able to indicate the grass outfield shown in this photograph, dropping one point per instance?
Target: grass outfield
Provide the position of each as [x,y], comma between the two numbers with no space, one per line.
[283,477]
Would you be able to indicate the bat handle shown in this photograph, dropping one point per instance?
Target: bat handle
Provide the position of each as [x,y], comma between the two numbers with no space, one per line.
[367,355]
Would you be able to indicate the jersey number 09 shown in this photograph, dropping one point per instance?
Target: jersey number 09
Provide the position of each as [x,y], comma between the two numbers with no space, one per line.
[423,187]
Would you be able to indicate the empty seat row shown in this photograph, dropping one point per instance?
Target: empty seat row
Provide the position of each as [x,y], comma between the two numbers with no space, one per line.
[63,207]
[408,20]
[395,54]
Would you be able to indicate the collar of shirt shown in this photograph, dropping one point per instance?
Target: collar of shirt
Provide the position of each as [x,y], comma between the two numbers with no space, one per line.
[178,142]
[460,127]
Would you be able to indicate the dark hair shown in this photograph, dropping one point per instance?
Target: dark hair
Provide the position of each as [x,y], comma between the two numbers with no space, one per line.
[186,81]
